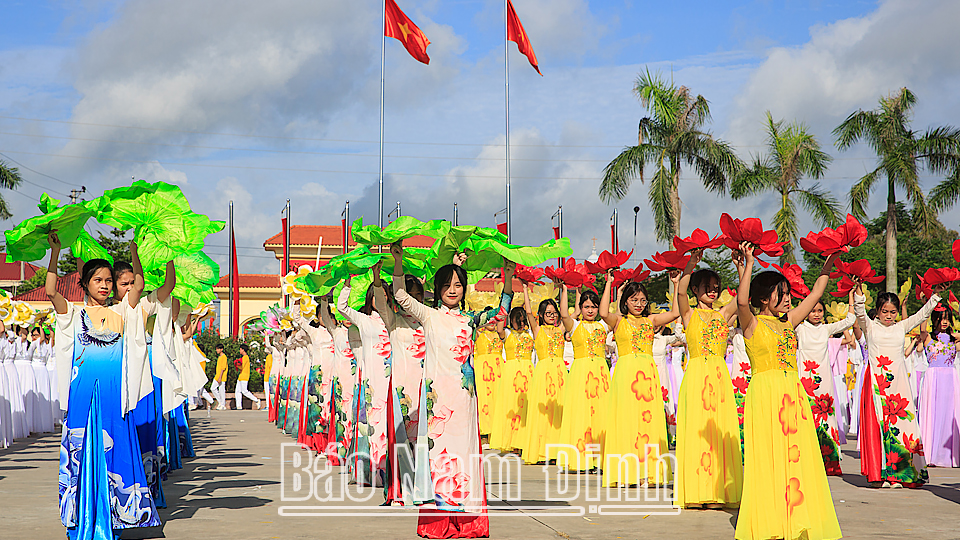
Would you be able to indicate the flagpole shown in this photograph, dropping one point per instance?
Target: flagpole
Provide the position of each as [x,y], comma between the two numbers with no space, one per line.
[286,252]
[383,44]
[230,313]
[506,98]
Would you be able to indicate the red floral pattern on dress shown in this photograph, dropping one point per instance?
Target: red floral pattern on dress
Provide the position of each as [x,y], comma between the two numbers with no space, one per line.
[708,395]
[418,349]
[912,444]
[520,382]
[464,346]
[894,408]
[587,439]
[788,415]
[810,386]
[811,365]
[793,495]
[449,480]
[822,408]
[643,387]
[740,384]
[706,463]
[592,388]
[882,384]
[745,367]
[884,362]
[640,445]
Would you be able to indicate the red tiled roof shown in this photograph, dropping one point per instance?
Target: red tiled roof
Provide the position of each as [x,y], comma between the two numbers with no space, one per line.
[10,271]
[307,235]
[252,281]
[68,286]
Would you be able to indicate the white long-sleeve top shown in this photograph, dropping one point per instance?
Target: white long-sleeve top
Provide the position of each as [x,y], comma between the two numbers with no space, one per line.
[888,340]
[813,339]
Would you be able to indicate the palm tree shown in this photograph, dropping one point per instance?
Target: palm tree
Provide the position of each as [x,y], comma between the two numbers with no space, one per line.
[672,135]
[9,179]
[901,154]
[793,154]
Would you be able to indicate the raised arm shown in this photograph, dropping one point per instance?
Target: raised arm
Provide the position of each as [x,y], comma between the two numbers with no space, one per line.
[747,321]
[568,322]
[50,286]
[844,324]
[190,328]
[663,319]
[798,314]
[533,319]
[506,299]
[169,282]
[408,303]
[914,320]
[133,296]
[380,299]
[326,320]
[860,311]
[732,309]
[680,292]
[343,306]
[610,318]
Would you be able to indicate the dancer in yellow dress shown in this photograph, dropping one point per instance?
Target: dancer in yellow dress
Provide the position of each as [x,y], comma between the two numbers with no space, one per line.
[587,384]
[511,399]
[545,409]
[785,489]
[488,356]
[709,460]
[636,426]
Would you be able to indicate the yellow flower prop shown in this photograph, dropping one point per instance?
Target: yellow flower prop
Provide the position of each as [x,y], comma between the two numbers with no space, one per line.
[22,314]
[289,286]
[905,290]
[202,311]
[837,311]
[6,314]
[308,307]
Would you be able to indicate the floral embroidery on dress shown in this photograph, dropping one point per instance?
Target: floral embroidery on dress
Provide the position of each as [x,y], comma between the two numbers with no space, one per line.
[715,332]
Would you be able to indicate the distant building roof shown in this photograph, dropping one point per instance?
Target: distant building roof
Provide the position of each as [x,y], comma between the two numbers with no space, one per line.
[10,271]
[68,286]
[307,235]
[252,281]
[489,284]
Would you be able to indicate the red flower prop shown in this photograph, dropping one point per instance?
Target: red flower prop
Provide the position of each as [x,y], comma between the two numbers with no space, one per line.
[936,276]
[844,286]
[638,274]
[699,239]
[794,275]
[572,275]
[857,269]
[528,274]
[606,261]
[553,273]
[828,241]
[956,250]
[750,230]
[668,260]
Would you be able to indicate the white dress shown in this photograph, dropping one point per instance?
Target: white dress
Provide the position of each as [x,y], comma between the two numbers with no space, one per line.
[6,413]
[28,382]
[44,413]
[18,413]
[51,366]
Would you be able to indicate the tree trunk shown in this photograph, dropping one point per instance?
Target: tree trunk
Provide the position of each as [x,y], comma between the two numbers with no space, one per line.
[891,240]
[783,235]
[675,209]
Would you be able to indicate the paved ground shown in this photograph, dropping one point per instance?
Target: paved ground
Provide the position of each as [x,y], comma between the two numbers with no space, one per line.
[232,490]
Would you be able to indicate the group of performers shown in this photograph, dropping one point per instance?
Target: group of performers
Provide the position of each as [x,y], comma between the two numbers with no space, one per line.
[29,401]
[404,392]
[124,388]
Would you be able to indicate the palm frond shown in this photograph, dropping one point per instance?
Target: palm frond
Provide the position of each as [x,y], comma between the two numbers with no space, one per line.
[754,180]
[860,194]
[9,176]
[660,196]
[945,194]
[785,223]
[822,205]
[620,173]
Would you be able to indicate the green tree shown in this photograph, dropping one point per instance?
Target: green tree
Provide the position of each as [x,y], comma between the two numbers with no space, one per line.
[9,179]
[207,342]
[792,154]
[901,154]
[671,136]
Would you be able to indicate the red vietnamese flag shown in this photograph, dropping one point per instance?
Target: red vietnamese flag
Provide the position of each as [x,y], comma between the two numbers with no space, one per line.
[516,34]
[398,25]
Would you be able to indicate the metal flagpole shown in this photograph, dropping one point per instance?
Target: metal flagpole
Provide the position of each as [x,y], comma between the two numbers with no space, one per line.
[383,44]
[286,254]
[230,313]
[455,215]
[506,99]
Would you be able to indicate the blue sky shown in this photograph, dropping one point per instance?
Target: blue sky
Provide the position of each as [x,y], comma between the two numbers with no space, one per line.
[259,102]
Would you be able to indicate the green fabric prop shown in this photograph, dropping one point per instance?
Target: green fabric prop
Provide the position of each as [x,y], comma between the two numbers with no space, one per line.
[196,275]
[28,240]
[165,225]
[86,248]
[486,251]
[404,227]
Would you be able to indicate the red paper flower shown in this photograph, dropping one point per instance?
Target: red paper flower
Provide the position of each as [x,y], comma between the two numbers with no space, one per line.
[528,274]
[553,273]
[857,269]
[794,275]
[844,286]
[606,261]
[750,230]
[667,260]
[698,239]
[936,276]
[956,250]
[829,241]
[638,274]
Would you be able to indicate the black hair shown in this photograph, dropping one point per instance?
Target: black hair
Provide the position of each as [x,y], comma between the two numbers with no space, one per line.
[245,348]
[219,346]
[937,317]
[872,314]
[628,291]
[820,303]
[888,297]
[764,285]
[121,267]
[704,276]
[368,307]
[542,310]
[442,279]
[518,319]
[90,268]
[411,284]
[666,330]
[591,296]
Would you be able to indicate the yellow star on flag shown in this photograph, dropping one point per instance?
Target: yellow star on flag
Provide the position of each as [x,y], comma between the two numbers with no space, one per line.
[405,28]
